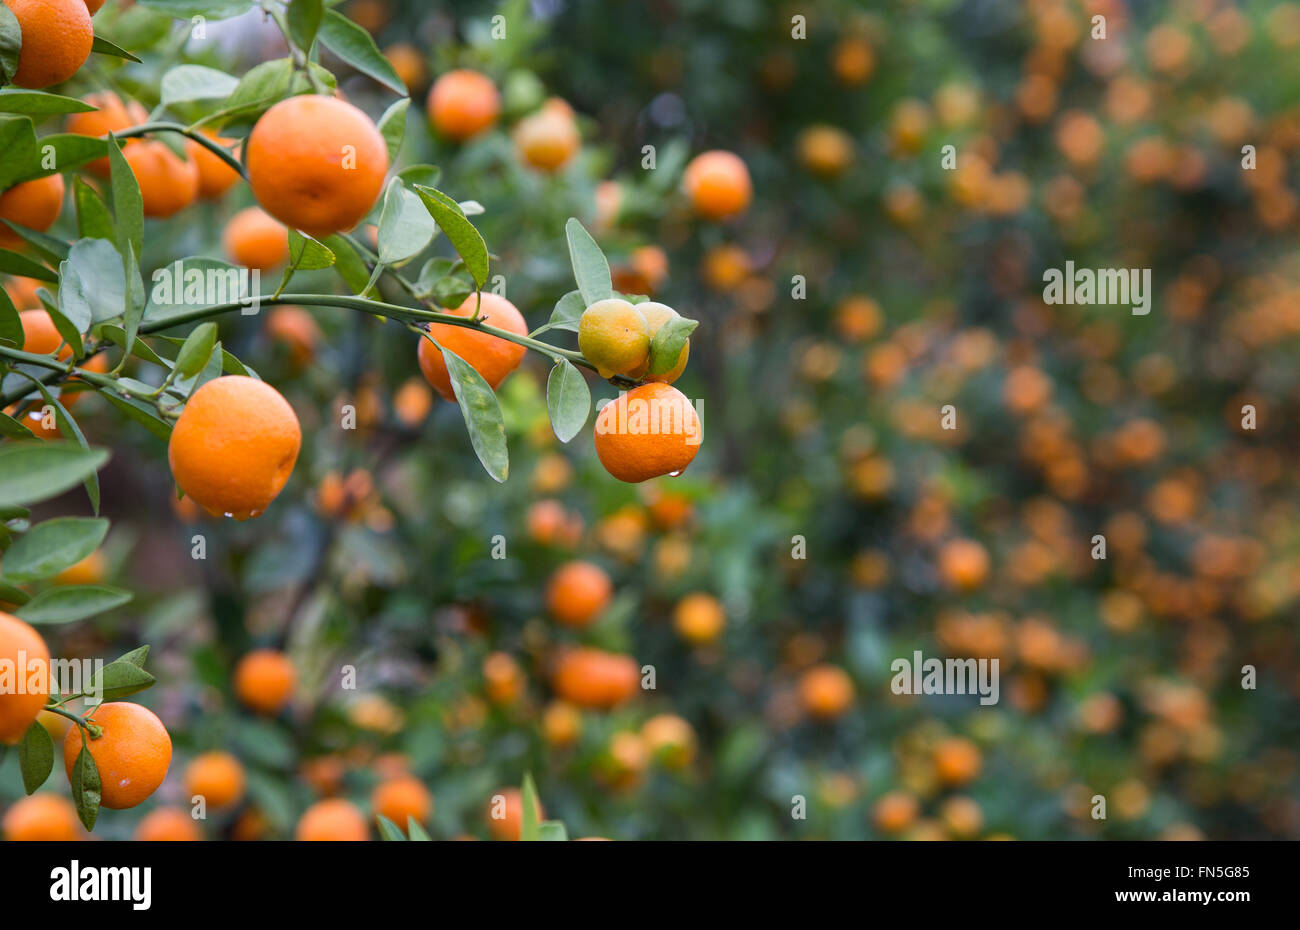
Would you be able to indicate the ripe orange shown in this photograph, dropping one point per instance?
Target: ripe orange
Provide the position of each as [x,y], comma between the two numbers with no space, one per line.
[23,650]
[215,176]
[578,593]
[725,267]
[550,524]
[296,329]
[825,691]
[670,739]
[41,817]
[332,820]
[401,798]
[895,812]
[22,291]
[825,151]
[39,334]
[217,776]
[412,402]
[90,570]
[594,678]
[718,184]
[264,680]
[699,618]
[112,115]
[168,825]
[35,204]
[463,103]
[168,183]
[505,814]
[956,761]
[57,36]
[234,446]
[644,272]
[255,240]
[548,139]
[316,164]
[132,754]
[503,678]
[92,6]
[561,723]
[853,60]
[649,431]
[963,564]
[491,356]
[408,62]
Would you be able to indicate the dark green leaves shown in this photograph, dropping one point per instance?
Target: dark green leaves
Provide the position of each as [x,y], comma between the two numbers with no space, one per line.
[11,40]
[568,400]
[34,472]
[392,126]
[304,22]
[666,347]
[389,831]
[48,548]
[450,218]
[590,267]
[70,603]
[35,756]
[121,678]
[355,46]
[36,102]
[86,786]
[128,205]
[482,413]
[196,350]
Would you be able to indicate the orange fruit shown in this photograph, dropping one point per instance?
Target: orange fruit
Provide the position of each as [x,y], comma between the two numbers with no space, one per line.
[23,650]
[255,240]
[92,6]
[463,103]
[401,798]
[264,680]
[550,524]
[505,814]
[725,267]
[41,817]
[168,183]
[412,402]
[296,329]
[825,691]
[644,272]
[548,139]
[503,678]
[615,337]
[316,164]
[90,570]
[35,204]
[234,446]
[699,618]
[956,761]
[132,754]
[408,62]
[324,774]
[56,40]
[963,564]
[168,825]
[111,115]
[332,820]
[853,61]
[561,723]
[670,739]
[649,431]
[594,678]
[217,776]
[895,812]
[825,151]
[215,176]
[22,291]
[40,336]
[578,593]
[717,184]
[491,356]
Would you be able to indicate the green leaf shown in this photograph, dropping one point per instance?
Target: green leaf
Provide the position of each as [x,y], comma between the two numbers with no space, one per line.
[262,86]
[93,283]
[392,126]
[13,263]
[197,350]
[531,819]
[18,142]
[128,206]
[568,400]
[667,345]
[405,227]
[13,429]
[86,786]
[186,83]
[211,9]
[355,46]
[71,603]
[482,413]
[35,472]
[416,832]
[590,267]
[68,151]
[552,831]
[308,254]
[390,831]
[38,102]
[105,47]
[13,595]
[35,756]
[304,22]
[349,263]
[50,547]
[11,324]
[11,40]
[117,680]
[93,219]
[51,249]
[464,237]
[568,312]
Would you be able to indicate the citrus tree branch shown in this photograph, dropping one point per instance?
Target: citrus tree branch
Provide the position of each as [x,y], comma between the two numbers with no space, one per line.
[212,145]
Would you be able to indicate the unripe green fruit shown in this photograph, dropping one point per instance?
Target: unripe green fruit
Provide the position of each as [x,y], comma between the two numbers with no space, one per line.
[614,336]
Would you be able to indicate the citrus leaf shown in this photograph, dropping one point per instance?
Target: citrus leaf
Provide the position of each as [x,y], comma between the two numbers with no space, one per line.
[50,547]
[196,351]
[568,400]
[405,227]
[389,831]
[530,829]
[482,413]
[355,46]
[467,240]
[666,347]
[590,267]
[35,756]
[71,603]
[86,786]
[34,472]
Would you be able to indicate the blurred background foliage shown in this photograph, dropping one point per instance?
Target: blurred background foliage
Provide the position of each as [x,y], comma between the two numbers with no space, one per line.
[865,288]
